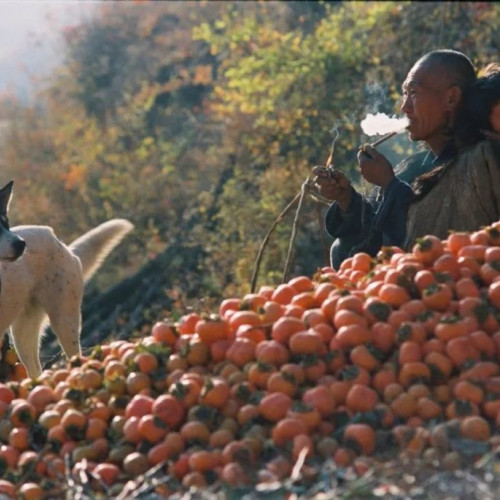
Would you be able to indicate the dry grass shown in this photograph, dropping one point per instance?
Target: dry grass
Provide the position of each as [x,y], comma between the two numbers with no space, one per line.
[396,479]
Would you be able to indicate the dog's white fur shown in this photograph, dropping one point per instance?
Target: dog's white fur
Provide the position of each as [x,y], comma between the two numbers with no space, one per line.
[46,285]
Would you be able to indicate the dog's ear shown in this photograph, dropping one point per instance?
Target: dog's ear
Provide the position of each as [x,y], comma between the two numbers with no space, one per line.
[5,195]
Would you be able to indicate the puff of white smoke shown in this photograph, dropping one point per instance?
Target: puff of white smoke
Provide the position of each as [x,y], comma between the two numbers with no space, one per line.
[380,123]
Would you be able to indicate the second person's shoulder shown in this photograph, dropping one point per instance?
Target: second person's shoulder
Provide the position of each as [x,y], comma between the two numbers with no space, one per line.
[485,150]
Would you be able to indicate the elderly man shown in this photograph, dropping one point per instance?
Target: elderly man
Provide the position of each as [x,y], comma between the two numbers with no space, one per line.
[432,93]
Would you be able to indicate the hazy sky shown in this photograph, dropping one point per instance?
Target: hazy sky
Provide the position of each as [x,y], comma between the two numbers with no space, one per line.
[29,37]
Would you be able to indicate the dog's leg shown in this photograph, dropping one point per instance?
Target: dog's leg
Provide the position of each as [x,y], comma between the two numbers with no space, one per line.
[25,335]
[64,314]
[66,326]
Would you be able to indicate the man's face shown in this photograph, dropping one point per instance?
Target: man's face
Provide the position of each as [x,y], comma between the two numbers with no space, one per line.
[426,103]
[495,117]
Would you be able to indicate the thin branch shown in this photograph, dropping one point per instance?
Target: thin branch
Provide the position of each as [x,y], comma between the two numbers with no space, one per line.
[266,239]
[294,228]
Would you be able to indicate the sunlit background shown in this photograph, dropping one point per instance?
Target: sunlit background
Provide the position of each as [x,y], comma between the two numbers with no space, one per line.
[199,121]
[30,39]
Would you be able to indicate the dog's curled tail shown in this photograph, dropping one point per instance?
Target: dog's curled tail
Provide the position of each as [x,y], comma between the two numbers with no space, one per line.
[95,245]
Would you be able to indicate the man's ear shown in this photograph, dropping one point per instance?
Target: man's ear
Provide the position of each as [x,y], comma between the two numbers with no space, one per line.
[5,195]
[453,96]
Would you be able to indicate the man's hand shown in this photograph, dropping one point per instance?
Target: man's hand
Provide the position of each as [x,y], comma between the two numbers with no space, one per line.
[374,166]
[334,186]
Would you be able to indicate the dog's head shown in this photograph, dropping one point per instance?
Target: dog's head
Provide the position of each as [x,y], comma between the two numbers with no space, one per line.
[11,246]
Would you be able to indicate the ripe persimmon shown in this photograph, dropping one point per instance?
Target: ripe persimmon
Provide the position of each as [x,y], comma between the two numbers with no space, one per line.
[245,317]
[307,413]
[258,373]
[366,356]
[484,344]
[252,301]
[301,284]
[279,382]
[220,438]
[360,437]
[361,398]
[271,311]
[447,264]
[195,431]
[494,294]
[302,444]
[19,438]
[234,474]
[314,368]
[384,336]
[339,390]
[393,294]
[294,371]
[286,429]
[187,323]
[7,489]
[457,240]
[349,336]
[96,428]
[146,362]
[151,428]
[450,327]
[321,398]
[461,350]
[137,382]
[107,472]
[241,351]
[382,378]
[139,405]
[427,249]
[469,391]
[285,327]
[475,250]
[404,405]
[204,460]
[31,491]
[346,317]
[271,351]
[215,392]
[164,332]
[428,409]
[305,300]
[40,396]
[22,413]
[414,372]
[322,291]
[424,278]
[283,294]
[131,430]
[437,297]
[274,406]
[306,342]
[475,427]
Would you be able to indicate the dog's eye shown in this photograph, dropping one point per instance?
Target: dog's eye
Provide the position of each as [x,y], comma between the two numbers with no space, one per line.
[5,221]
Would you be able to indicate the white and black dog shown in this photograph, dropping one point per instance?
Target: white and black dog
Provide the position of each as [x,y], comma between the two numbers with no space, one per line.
[42,280]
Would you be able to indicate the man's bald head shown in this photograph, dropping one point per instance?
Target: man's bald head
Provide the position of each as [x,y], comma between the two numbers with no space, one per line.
[433,94]
[452,65]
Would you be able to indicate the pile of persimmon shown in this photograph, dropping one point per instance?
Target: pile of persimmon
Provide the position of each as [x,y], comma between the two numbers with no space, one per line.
[397,355]
[10,366]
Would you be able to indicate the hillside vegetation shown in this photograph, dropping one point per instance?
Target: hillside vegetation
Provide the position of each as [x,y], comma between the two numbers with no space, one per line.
[199,121]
